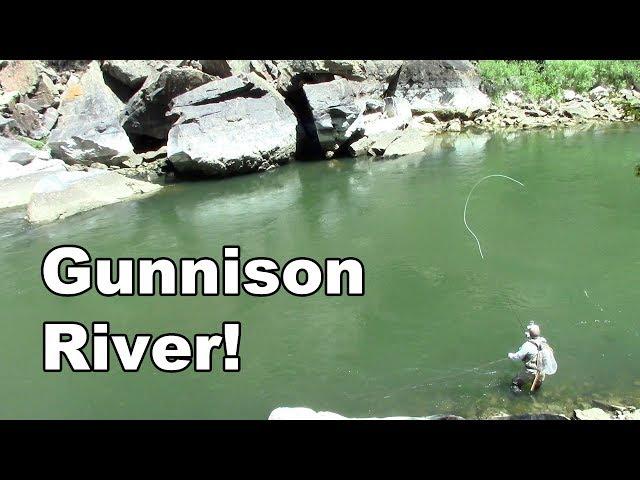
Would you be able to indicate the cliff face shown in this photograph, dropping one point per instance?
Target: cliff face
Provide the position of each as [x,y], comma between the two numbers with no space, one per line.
[102,111]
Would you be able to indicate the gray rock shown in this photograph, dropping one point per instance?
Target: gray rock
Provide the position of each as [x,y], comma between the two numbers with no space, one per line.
[63,194]
[411,141]
[155,154]
[146,112]
[20,76]
[360,146]
[382,142]
[234,125]
[17,183]
[88,129]
[591,414]
[44,96]
[568,95]
[371,76]
[334,110]
[448,88]
[8,100]
[512,98]
[29,122]
[7,125]
[454,125]
[133,73]
[132,162]
[532,416]
[578,109]
[19,152]
[598,93]
[49,119]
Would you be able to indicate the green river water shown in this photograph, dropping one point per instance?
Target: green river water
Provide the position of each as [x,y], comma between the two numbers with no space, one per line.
[431,333]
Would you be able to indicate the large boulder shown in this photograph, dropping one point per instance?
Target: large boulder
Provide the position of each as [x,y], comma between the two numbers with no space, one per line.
[411,141]
[133,73]
[146,112]
[60,195]
[578,109]
[334,110]
[88,129]
[448,88]
[234,125]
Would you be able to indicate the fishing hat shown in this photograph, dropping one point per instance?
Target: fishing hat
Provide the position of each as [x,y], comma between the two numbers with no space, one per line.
[533,330]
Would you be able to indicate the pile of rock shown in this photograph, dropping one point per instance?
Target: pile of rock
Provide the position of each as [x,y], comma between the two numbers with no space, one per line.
[607,411]
[514,112]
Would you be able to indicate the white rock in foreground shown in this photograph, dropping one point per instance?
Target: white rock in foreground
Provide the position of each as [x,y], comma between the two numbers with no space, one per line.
[63,194]
[17,190]
[19,152]
[302,413]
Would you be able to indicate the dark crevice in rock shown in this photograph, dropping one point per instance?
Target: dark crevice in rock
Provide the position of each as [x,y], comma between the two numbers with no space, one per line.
[393,84]
[143,143]
[307,143]
[122,91]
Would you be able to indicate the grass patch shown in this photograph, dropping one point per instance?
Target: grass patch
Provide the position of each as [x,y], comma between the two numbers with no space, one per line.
[37,144]
[547,78]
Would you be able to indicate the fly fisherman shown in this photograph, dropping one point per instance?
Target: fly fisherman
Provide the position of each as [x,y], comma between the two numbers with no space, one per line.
[538,360]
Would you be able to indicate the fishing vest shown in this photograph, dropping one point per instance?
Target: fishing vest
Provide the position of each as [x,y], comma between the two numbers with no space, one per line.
[532,362]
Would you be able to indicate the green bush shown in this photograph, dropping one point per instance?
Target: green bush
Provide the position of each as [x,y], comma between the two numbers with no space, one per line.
[547,78]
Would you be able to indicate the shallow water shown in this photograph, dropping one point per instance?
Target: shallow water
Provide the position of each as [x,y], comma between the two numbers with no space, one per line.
[431,333]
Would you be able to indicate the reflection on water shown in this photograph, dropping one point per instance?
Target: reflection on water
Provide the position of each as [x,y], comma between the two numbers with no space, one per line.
[430,335]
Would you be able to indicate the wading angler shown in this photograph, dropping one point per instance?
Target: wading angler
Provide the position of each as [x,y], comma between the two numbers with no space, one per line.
[68,270]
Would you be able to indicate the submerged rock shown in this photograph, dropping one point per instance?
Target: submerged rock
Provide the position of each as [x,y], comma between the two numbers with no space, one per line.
[234,125]
[60,195]
[88,129]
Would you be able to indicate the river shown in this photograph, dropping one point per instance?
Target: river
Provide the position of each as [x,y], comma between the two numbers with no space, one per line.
[432,332]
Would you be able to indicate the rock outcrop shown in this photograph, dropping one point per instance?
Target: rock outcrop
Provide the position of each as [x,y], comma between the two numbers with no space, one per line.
[88,129]
[334,111]
[133,73]
[60,195]
[146,112]
[447,88]
[234,125]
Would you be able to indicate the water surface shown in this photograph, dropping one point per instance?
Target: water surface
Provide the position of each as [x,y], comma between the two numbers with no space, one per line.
[431,333]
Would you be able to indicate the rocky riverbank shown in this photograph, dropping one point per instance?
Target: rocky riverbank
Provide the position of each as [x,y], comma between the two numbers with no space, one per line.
[65,124]
[599,411]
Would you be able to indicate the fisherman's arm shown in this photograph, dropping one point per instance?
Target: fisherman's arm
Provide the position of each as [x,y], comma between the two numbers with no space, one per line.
[520,354]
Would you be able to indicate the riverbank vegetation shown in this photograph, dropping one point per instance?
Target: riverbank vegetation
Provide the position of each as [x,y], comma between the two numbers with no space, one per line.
[548,78]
